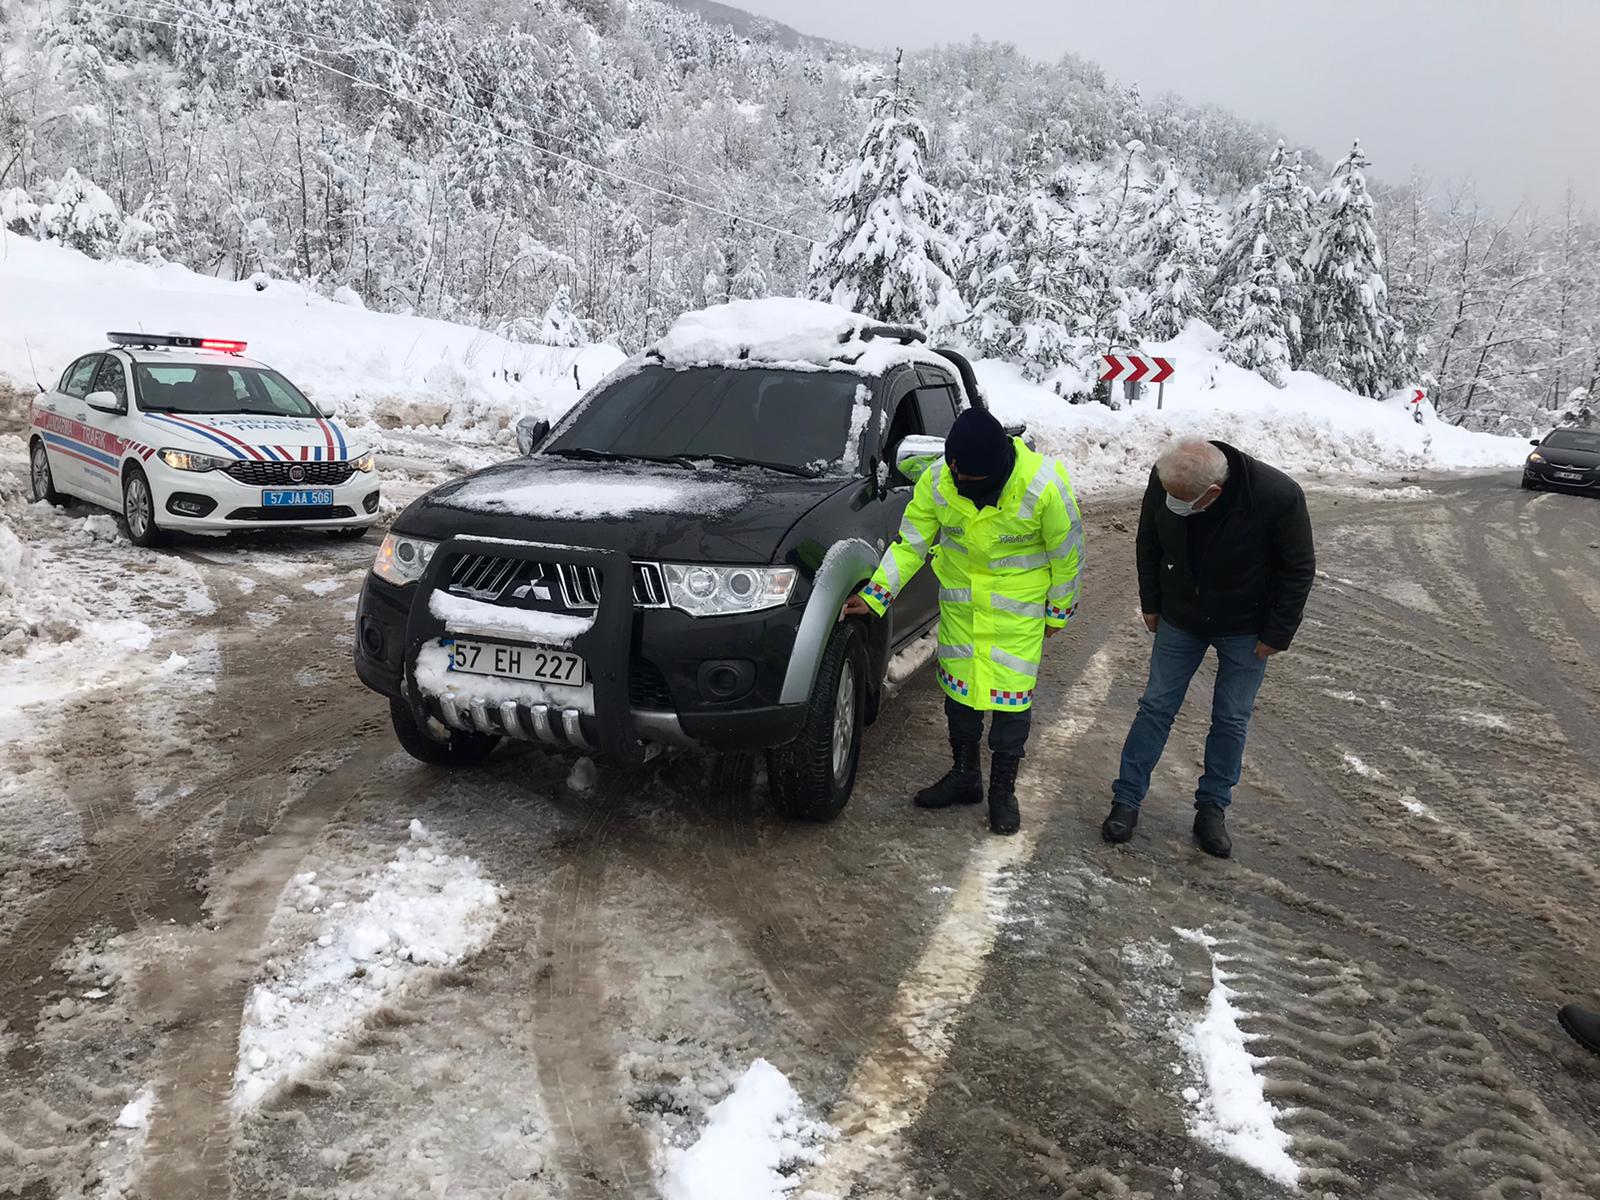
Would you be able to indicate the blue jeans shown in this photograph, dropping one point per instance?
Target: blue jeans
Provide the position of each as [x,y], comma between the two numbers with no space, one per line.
[1174,659]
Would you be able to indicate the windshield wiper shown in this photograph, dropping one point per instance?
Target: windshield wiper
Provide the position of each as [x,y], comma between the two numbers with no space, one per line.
[591,455]
[734,460]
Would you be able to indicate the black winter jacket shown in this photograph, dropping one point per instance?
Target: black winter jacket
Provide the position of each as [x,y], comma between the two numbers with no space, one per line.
[1256,571]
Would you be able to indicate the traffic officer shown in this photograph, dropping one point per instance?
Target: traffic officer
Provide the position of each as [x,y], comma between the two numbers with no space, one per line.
[1001,523]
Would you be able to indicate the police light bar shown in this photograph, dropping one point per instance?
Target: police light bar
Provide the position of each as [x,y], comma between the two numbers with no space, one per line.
[180,341]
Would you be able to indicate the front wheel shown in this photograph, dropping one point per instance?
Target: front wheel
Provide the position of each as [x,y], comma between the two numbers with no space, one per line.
[139,510]
[441,746]
[43,484]
[812,777]
[1527,484]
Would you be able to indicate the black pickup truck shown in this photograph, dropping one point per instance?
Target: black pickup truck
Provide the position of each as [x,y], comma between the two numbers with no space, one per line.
[667,565]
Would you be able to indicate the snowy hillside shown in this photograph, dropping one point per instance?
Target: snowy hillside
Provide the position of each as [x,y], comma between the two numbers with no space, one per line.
[403,371]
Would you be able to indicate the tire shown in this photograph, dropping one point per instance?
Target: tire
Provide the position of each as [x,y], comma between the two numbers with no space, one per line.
[812,777]
[42,484]
[458,749]
[139,510]
[349,533]
[1527,484]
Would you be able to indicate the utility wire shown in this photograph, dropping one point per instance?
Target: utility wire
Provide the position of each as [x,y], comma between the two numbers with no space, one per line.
[489,129]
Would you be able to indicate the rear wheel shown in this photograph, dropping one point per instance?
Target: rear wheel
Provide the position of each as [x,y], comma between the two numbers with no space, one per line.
[43,483]
[812,777]
[438,745]
[139,510]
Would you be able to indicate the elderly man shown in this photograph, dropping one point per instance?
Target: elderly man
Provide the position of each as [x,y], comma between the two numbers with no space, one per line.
[1002,526]
[1225,563]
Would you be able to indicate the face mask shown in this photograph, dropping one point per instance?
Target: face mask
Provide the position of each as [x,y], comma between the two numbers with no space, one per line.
[1183,508]
[982,492]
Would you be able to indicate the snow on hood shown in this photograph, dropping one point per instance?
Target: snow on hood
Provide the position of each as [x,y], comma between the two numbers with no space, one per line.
[585,495]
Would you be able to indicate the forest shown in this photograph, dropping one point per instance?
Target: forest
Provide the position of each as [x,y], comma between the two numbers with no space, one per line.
[565,171]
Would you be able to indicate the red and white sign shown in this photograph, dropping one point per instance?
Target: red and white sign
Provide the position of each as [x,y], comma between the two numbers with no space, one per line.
[1135,368]
[1418,395]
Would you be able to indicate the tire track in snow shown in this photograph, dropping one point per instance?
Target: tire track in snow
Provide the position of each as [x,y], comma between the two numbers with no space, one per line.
[892,1081]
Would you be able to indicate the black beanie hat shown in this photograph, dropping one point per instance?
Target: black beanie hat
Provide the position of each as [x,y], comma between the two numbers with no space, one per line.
[977,444]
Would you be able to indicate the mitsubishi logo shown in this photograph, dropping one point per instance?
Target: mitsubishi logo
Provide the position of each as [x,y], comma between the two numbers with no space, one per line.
[297,473]
[536,588]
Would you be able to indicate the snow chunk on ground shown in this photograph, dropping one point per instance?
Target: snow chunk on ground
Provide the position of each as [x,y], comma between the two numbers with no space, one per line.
[463,615]
[752,1142]
[426,908]
[1232,1113]
[135,1113]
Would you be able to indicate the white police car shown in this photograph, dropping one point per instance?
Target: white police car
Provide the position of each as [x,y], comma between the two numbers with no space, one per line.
[179,432]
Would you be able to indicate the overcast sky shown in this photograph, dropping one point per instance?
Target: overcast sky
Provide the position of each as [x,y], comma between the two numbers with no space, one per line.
[1506,92]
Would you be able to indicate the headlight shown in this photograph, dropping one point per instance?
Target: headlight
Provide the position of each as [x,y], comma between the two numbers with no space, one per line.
[365,463]
[704,591]
[188,460]
[1535,457]
[401,560]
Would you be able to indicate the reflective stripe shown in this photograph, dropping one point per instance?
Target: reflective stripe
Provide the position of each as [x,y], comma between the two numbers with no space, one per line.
[1021,607]
[955,651]
[946,540]
[1074,542]
[1062,591]
[938,474]
[1024,561]
[1020,665]
[891,569]
[912,536]
[1041,480]
[955,595]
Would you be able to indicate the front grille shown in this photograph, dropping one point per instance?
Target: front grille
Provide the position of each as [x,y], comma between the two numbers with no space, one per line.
[488,577]
[300,512]
[280,474]
[647,686]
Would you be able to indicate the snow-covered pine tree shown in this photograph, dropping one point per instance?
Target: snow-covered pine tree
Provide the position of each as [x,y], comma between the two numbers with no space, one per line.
[888,253]
[991,273]
[1279,208]
[560,326]
[1170,243]
[751,281]
[79,214]
[1259,339]
[1350,336]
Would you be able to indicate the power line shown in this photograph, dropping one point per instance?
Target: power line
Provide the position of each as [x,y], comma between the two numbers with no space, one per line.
[489,129]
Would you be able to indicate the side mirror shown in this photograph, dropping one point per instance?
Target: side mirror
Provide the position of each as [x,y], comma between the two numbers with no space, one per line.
[531,432]
[1535,442]
[916,453]
[106,402]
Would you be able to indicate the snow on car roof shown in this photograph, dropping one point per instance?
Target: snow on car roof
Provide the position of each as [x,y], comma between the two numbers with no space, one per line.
[158,355]
[785,332]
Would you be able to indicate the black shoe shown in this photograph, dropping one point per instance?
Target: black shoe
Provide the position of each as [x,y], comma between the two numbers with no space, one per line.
[1583,1025]
[962,784]
[1119,826]
[1004,815]
[1211,831]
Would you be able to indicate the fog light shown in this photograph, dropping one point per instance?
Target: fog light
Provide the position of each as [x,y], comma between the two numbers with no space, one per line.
[188,504]
[722,680]
[372,637]
[371,502]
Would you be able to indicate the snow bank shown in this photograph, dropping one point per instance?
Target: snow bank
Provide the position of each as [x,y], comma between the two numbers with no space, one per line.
[426,908]
[56,303]
[1309,427]
[1231,1113]
[752,1142]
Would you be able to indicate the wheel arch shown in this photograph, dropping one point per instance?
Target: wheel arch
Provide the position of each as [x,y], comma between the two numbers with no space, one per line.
[846,565]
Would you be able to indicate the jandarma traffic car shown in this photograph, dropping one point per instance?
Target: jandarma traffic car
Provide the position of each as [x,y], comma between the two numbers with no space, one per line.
[179,432]
[667,566]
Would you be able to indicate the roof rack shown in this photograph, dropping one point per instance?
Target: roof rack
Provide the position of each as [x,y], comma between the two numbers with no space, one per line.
[177,341]
[904,334]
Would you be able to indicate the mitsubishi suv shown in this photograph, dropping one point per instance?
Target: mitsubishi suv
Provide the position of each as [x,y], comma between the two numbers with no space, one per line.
[668,564]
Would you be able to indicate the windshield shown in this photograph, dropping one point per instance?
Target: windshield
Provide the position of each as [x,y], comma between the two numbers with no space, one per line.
[796,421]
[218,388]
[1574,439]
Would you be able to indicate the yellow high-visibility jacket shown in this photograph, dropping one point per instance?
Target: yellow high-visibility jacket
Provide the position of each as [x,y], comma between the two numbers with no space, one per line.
[1005,573]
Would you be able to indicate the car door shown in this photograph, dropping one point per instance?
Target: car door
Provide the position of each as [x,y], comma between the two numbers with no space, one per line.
[918,601]
[108,426]
[62,429]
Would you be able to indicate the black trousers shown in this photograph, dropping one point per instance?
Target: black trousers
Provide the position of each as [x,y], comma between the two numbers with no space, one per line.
[1008,731]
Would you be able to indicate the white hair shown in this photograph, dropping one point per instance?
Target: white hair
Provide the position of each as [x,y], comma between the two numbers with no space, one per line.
[1192,466]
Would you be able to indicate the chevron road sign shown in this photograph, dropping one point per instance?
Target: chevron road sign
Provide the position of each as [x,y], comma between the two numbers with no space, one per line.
[1138,368]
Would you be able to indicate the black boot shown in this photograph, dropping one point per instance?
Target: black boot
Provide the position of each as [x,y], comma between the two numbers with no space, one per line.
[1583,1025]
[1004,816]
[1119,826]
[1211,830]
[962,784]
